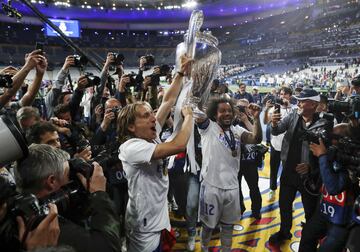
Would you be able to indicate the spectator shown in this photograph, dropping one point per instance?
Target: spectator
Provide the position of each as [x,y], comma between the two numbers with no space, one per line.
[242,94]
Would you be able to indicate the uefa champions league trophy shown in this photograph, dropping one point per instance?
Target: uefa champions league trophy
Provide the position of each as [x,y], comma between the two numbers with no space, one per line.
[202,47]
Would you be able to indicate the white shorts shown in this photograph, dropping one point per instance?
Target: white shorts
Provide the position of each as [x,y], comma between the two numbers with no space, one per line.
[218,205]
[142,242]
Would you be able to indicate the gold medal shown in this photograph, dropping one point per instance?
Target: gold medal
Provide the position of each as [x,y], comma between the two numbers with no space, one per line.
[234,153]
[165,171]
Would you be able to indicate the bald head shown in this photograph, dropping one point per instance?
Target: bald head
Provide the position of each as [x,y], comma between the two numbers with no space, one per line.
[112,103]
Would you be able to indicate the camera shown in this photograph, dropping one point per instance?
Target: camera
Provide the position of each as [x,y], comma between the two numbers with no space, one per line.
[241,108]
[277,100]
[92,80]
[274,99]
[82,144]
[277,108]
[33,210]
[164,71]
[40,46]
[118,59]
[350,107]
[115,110]
[80,61]
[322,129]
[133,82]
[346,155]
[150,61]
[6,80]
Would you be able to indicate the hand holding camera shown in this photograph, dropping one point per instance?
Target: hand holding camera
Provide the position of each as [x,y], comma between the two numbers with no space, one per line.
[84,154]
[318,149]
[83,82]
[275,119]
[69,61]
[33,59]
[41,66]
[269,104]
[44,235]
[109,116]
[58,122]
[88,80]
[124,80]
[97,181]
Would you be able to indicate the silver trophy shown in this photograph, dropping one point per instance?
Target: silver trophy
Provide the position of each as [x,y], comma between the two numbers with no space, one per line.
[202,47]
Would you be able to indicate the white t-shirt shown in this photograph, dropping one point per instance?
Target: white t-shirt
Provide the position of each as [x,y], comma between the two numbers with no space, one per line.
[276,141]
[147,210]
[219,167]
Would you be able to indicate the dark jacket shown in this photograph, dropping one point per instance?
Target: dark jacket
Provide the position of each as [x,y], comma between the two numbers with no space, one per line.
[103,233]
[289,125]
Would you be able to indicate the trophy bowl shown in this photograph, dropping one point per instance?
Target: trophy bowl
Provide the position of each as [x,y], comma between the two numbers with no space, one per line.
[207,59]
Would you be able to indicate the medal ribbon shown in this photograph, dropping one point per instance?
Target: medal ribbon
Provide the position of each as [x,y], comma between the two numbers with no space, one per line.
[231,142]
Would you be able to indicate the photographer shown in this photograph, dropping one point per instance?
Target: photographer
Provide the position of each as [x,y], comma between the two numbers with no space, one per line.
[339,190]
[150,86]
[107,130]
[121,93]
[46,170]
[32,60]
[111,60]
[53,95]
[152,82]
[295,160]
[72,135]
[44,235]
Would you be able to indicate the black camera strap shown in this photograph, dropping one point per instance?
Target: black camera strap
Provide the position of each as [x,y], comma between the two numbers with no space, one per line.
[70,83]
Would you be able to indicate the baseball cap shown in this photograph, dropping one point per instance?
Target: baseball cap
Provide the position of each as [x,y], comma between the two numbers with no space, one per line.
[308,94]
[255,88]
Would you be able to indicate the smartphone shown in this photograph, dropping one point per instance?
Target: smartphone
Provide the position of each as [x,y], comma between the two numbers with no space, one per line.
[39,46]
[277,108]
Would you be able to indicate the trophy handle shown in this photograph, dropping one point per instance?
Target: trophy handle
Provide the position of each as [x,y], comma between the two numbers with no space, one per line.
[195,23]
